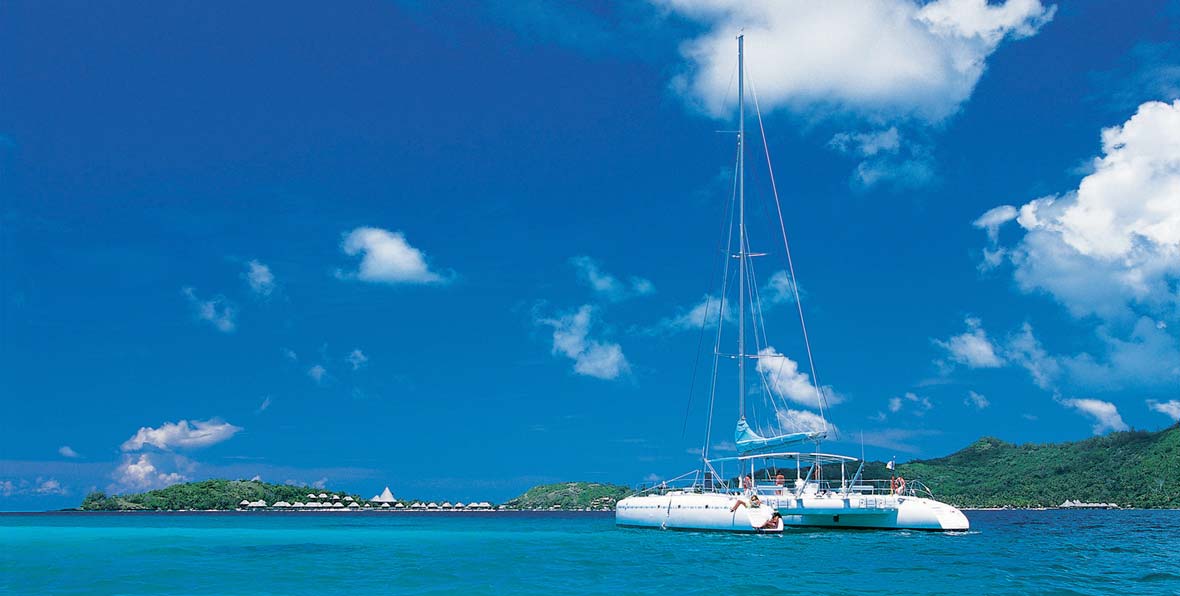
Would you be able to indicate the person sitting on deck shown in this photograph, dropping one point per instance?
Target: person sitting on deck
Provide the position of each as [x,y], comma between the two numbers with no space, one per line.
[772,523]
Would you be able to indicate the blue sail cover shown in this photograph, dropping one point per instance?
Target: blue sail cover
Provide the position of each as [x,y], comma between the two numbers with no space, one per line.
[751,443]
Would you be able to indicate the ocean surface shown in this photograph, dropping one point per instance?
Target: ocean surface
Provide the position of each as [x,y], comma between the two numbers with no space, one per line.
[1006,552]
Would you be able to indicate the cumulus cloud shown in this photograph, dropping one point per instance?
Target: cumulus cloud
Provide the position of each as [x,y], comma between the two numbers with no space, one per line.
[260,279]
[891,58]
[592,357]
[886,159]
[706,313]
[1026,350]
[973,348]
[1111,247]
[182,435]
[779,289]
[67,451]
[783,377]
[608,286]
[995,217]
[217,311]
[867,144]
[975,399]
[1105,414]
[801,421]
[386,257]
[317,373]
[1171,409]
[49,486]
[357,359]
[140,474]
[41,486]
[918,405]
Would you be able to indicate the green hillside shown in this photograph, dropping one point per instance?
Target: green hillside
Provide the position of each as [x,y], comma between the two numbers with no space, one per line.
[569,495]
[208,494]
[1133,469]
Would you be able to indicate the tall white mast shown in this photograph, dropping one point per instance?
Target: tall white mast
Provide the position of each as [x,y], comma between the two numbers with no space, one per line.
[741,355]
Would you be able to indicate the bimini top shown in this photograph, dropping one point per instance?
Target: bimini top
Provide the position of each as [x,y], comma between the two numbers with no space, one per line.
[749,442]
[822,459]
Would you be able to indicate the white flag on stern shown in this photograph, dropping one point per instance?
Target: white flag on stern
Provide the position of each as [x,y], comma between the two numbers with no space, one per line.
[889,466]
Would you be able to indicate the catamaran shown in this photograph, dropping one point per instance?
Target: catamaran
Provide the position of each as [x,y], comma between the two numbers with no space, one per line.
[769,486]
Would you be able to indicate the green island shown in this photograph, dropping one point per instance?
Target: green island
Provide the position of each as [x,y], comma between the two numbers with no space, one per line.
[570,495]
[203,495]
[1132,469]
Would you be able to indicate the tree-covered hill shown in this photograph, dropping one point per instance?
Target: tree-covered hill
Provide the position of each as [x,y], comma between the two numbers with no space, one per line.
[1133,469]
[570,495]
[207,494]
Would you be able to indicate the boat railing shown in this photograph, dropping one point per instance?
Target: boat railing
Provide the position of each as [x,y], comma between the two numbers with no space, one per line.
[913,488]
[690,482]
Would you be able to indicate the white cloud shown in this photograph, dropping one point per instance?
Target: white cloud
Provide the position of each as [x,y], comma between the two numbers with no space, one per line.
[1105,414]
[784,378]
[49,486]
[182,435]
[975,399]
[261,280]
[1025,350]
[1111,247]
[386,257]
[867,144]
[321,483]
[290,354]
[263,406]
[890,58]
[1148,357]
[779,289]
[920,406]
[218,311]
[357,359]
[972,348]
[608,286]
[139,474]
[801,421]
[67,451]
[993,219]
[591,357]
[886,159]
[704,313]
[1171,409]
[317,373]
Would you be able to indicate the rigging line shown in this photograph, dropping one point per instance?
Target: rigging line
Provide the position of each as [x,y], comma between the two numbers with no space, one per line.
[728,230]
[821,398]
[705,318]
[759,318]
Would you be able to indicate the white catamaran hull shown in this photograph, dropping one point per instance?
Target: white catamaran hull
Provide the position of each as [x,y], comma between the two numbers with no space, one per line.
[712,511]
[694,511]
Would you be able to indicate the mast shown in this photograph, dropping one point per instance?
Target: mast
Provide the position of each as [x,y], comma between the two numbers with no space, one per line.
[741,230]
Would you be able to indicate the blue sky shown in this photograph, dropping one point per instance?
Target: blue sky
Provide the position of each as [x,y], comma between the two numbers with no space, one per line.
[457,249]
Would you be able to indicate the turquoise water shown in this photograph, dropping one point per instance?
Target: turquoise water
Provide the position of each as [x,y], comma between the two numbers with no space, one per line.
[1007,552]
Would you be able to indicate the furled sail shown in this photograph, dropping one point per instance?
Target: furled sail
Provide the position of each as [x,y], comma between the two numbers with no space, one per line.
[751,443]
